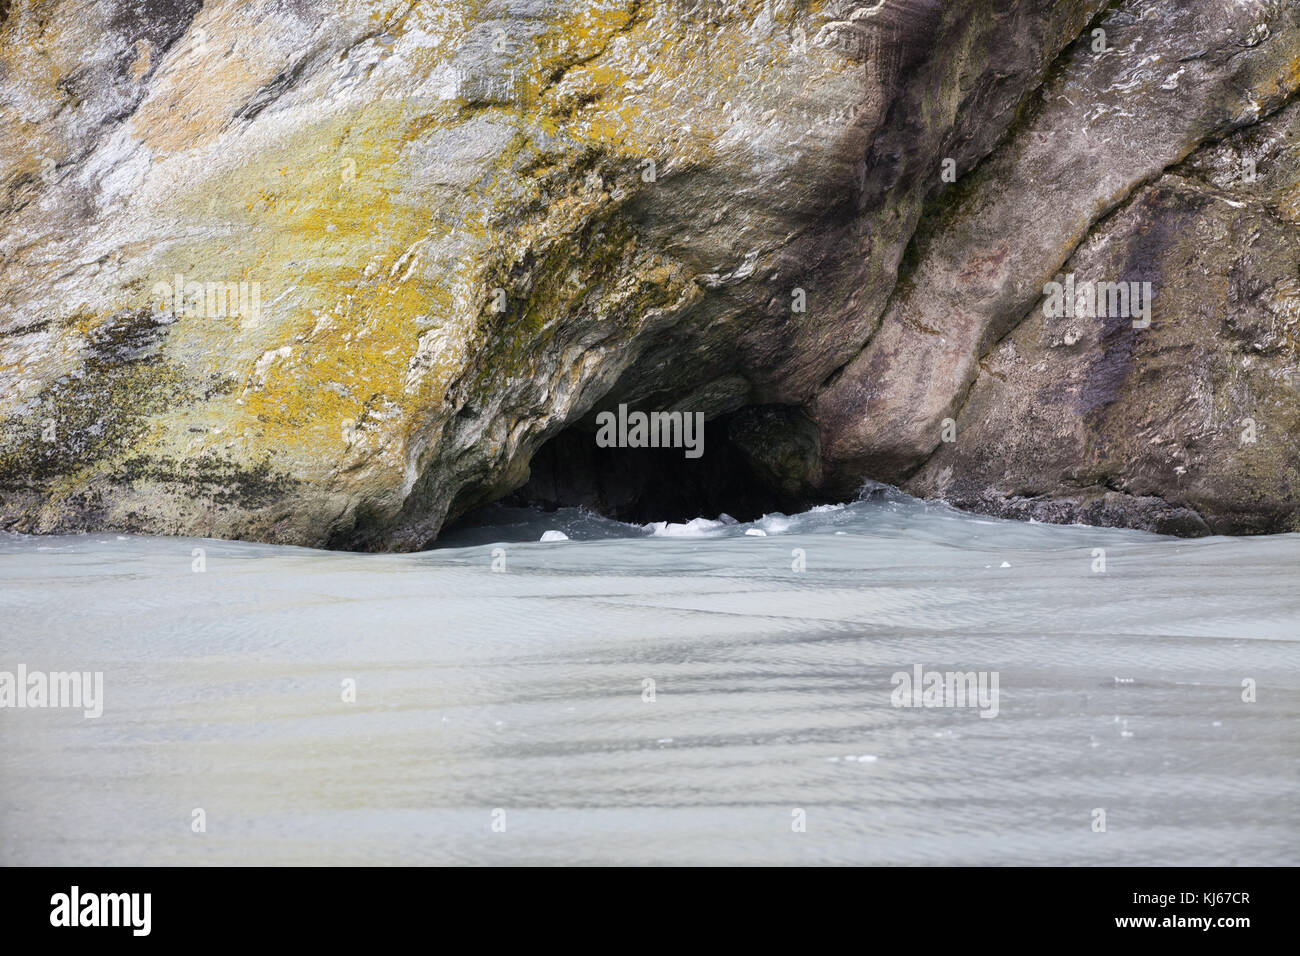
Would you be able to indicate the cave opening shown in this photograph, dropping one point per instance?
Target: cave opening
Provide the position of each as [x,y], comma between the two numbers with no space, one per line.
[755,461]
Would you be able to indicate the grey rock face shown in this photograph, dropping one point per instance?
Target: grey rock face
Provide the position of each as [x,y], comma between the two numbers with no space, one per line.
[1153,415]
[441,236]
[1187,426]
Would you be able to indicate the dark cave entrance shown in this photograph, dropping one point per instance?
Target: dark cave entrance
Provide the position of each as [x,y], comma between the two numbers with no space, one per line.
[755,461]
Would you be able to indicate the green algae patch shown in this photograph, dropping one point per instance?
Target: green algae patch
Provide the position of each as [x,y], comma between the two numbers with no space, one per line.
[98,412]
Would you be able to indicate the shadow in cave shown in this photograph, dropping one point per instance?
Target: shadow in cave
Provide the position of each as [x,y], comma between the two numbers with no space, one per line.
[755,461]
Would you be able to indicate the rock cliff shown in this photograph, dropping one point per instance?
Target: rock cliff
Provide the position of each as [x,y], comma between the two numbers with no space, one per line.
[334,274]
